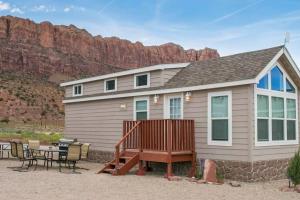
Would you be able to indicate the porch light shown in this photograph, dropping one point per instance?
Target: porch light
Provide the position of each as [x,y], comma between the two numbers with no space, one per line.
[188,96]
[123,106]
[155,98]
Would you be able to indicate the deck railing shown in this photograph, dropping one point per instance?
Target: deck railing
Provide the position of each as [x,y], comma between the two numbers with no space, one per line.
[160,135]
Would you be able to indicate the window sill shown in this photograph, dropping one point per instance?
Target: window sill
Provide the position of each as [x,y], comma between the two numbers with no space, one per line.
[140,87]
[77,95]
[276,143]
[220,143]
[108,91]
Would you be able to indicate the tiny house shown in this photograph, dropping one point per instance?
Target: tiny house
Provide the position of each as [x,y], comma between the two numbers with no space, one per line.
[244,108]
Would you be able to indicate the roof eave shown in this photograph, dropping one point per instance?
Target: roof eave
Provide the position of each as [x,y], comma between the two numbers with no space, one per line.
[126,72]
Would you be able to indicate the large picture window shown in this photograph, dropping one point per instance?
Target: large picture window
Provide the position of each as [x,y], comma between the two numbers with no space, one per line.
[219,119]
[276,114]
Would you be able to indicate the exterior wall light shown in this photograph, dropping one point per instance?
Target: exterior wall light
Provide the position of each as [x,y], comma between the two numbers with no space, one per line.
[123,106]
[188,96]
[155,99]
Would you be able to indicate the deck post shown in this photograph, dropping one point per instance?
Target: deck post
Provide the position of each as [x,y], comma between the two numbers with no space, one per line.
[141,170]
[194,159]
[169,148]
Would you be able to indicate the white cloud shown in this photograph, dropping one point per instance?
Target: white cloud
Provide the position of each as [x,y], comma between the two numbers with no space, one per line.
[67,9]
[16,10]
[4,6]
[74,8]
[43,8]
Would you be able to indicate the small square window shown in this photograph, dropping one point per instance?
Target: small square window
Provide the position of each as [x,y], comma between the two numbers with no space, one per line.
[142,81]
[110,85]
[77,90]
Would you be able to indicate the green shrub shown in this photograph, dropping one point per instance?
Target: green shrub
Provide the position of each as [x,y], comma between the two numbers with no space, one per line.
[5,120]
[293,170]
[199,173]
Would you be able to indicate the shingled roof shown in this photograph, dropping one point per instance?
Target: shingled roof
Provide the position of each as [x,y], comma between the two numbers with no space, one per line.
[238,67]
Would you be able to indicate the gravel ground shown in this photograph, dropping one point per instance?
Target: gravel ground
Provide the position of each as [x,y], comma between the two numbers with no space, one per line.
[42,184]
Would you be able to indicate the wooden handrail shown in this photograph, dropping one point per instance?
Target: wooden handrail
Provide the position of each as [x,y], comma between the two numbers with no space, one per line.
[120,142]
[127,134]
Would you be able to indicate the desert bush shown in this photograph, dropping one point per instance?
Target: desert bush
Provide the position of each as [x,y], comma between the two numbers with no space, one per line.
[5,120]
[199,173]
[293,170]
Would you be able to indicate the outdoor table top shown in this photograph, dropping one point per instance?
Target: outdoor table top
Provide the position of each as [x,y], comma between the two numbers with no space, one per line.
[47,149]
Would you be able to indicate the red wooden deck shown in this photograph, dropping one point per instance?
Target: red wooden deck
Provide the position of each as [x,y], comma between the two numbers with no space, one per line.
[165,141]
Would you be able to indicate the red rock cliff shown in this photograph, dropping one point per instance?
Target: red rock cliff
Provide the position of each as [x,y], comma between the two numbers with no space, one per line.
[46,49]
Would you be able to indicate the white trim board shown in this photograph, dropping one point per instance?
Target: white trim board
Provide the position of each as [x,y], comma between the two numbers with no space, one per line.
[126,72]
[162,91]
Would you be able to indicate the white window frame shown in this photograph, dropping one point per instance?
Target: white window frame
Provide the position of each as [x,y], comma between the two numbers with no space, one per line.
[75,95]
[134,106]
[209,119]
[116,85]
[144,86]
[273,93]
[167,104]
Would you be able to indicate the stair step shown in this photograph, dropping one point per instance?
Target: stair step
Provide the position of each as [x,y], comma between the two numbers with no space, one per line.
[110,171]
[125,157]
[120,164]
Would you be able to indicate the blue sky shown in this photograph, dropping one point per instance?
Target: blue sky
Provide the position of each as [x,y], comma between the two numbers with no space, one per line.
[230,26]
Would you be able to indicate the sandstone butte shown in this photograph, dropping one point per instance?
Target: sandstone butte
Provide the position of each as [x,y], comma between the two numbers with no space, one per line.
[33,55]
[46,49]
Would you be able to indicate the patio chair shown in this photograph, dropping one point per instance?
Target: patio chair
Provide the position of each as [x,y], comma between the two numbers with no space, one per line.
[73,156]
[13,152]
[13,149]
[25,155]
[34,146]
[85,151]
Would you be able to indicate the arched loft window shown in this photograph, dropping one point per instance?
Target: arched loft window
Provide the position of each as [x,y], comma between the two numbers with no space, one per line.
[276,79]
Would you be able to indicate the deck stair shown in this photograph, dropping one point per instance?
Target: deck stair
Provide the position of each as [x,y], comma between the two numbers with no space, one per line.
[165,141]
[125,164]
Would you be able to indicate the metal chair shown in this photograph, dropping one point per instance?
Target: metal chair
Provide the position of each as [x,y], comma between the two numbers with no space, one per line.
[73,156]
[34,146]
[24,156]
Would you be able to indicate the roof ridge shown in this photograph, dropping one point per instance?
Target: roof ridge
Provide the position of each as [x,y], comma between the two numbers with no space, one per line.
[252,51]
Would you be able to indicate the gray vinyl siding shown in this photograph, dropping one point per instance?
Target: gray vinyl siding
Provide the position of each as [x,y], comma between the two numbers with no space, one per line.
[168,74]
[197,109]
[100,122]
[123,83]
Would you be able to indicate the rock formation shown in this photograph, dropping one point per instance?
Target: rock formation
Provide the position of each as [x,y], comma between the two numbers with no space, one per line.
[53,53]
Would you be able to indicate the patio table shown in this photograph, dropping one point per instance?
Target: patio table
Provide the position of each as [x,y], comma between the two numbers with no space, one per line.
[49,154]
